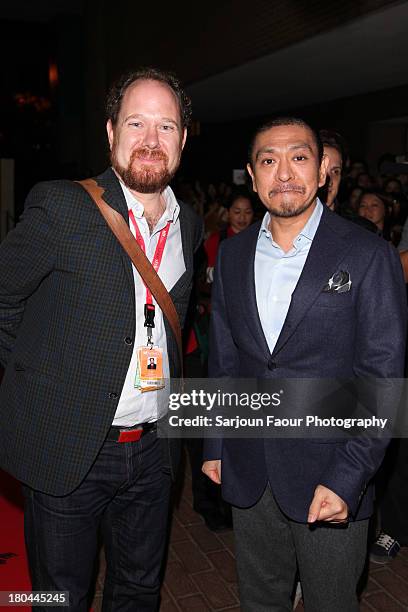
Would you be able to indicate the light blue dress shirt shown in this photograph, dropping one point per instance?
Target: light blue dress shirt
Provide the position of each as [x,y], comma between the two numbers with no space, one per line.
[277,273]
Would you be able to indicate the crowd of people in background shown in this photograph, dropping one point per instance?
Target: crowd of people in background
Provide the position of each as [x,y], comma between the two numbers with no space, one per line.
[351,191]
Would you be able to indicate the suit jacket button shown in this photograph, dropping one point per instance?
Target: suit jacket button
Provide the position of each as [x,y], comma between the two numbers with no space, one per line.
[128,340]
[272,364]
[113,395]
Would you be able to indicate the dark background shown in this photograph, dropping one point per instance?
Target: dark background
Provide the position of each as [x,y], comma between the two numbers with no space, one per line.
[339,65]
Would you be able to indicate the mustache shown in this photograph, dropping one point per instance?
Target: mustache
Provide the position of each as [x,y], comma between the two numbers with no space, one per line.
[286,189]
[146,153]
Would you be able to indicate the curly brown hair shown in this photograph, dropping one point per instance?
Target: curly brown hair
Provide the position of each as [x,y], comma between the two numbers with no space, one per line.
[119,88]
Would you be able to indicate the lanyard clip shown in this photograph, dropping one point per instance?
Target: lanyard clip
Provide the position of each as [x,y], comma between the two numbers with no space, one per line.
[150,338]
[149,312]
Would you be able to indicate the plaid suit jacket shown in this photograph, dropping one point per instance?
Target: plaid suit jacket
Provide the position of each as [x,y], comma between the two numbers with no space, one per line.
[67,304]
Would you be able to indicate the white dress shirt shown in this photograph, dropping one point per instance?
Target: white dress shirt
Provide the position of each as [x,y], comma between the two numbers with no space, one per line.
[135,406]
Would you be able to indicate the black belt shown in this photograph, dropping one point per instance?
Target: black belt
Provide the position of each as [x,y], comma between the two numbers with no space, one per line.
[130,434]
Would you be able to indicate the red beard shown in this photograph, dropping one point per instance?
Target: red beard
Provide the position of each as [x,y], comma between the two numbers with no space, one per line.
[145,178]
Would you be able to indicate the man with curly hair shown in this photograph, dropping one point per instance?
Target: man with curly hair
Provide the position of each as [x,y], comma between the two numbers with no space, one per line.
[75,428]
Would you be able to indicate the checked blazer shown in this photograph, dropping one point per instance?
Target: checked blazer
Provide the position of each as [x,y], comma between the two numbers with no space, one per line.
[67,326]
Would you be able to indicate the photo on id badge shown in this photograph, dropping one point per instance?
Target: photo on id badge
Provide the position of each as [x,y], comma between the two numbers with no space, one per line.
[151,363]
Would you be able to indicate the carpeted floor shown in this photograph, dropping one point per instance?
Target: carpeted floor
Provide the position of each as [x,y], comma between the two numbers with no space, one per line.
[14,574]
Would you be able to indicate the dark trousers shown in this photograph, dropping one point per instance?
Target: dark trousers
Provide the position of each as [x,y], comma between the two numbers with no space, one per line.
[270,547]
[393,492]
[126,496]
[206,494]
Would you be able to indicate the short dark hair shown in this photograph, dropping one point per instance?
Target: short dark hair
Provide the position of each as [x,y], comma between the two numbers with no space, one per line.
[392,179]
[122,84]
[361,162]
[239,192]
[331,138]
[282,121]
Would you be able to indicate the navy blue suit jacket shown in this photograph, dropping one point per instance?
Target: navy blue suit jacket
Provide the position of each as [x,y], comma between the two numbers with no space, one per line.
[360,333]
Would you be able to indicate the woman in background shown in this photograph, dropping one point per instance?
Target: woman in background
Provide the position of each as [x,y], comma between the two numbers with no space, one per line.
[374,206]
[240,214]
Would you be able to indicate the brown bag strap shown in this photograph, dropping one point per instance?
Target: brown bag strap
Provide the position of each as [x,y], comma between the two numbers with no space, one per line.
[122,232]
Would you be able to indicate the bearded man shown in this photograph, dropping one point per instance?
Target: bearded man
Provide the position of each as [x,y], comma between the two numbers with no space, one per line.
[75,427]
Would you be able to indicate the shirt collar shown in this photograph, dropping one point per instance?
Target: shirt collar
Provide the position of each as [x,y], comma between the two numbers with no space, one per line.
[307,232]
[172,206]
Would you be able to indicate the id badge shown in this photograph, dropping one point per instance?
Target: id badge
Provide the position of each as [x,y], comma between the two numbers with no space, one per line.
[149,369]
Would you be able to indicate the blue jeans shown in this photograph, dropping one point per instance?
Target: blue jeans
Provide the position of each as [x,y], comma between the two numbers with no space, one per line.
[126,495]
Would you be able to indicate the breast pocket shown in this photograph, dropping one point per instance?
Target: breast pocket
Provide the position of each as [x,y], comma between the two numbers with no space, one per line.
[333,300]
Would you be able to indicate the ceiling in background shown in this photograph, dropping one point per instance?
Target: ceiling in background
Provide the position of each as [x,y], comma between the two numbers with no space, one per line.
[38,10]
[366,55]
[362,55]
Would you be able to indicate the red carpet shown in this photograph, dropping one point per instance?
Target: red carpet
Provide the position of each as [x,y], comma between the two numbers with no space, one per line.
[14,574]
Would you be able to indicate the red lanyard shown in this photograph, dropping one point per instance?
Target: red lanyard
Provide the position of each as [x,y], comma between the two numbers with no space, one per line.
[158,254]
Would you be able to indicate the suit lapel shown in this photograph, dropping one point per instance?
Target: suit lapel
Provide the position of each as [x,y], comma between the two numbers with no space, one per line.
[187,248]
[115,198]
[326,252]
[247,289]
